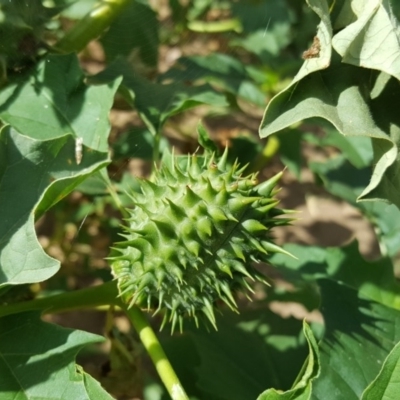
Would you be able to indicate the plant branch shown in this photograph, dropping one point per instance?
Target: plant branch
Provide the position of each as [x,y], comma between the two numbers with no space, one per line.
[91,25]
[105,294]
[156,352]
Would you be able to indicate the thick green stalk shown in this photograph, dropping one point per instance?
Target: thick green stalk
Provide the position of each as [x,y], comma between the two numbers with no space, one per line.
[156,352]
[92,297]
[91,26]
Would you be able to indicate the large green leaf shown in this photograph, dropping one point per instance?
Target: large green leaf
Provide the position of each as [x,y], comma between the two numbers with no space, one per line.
[386,386]
[34,175]
[53,100]
[53,110]
[357,149]
[303,387]
[372,40]
[37,361]
[154,102]
[357,101]
[360,334]
[248,354]
[360,306]
[372,279]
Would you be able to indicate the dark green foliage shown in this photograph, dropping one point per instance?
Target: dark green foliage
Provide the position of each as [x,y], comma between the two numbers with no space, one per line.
[22,24]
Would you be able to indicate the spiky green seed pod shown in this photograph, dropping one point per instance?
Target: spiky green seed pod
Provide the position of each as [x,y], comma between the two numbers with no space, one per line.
[193,237]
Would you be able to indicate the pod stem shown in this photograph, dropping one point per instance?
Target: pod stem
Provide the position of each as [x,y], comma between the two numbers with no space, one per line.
[96,296]
[91,25]
[156,352]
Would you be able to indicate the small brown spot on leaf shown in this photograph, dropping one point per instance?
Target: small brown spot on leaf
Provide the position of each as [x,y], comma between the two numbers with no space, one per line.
[314,50]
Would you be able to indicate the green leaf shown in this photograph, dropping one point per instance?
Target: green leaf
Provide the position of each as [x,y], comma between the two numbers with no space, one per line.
[266,26]
[246,149]
[21,26]
[357,101]
[360,334]
[136,142]
[385,112]
[360,303]
[303,388]
[205,141]
[221,70]
[303,293]
[94,185]
[372,40]
[37,361]
[135,28]
[53,100]
[357,149]
[372,279]
[266,43]
[34,175]
[290,150]
[343,180]
[386,385]
[94,389]
[336,94]
[259,15]
[248,354]
[154,102]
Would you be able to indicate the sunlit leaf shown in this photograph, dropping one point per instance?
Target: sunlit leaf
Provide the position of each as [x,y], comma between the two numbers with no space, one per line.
[386,385]
[53,100]
[246,356]
[373,279]
[356,342]
[303,387]
[357,101]
[34,175]
[37,361]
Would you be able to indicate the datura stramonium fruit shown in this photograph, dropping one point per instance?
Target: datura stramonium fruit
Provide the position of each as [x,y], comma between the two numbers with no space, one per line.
[193,237]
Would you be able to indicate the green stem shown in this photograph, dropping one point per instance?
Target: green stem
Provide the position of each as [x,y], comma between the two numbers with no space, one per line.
[117,201]
[105,294]
[156,150]
[91,25]
[113,193]
[232,24]
[156,352]
[157,137]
